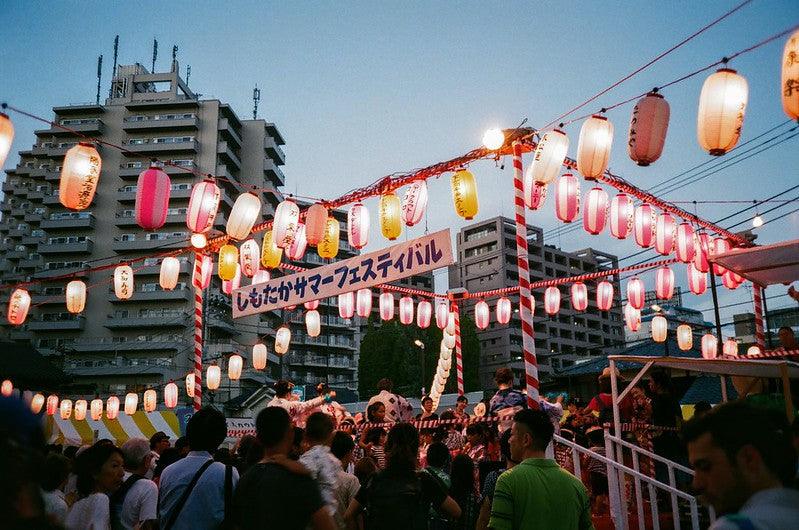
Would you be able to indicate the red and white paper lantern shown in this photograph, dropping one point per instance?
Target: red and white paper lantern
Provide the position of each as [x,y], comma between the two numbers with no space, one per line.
[284,226]
[296,250]
[595,212]
[702,246]
[636,292]
[52,404]
[442,314]
[424,313]
[567,198]
[311,304]
[406,310]
[730,347]
[535,195]
[6,388]
[481,314]
[697,280]
[363,303]
[664,283]
[112,407]
[18,306]
[632,317]
[664,234]
[203,206]
[685,245]
[648,127]
[206,270]
[152,198]
[621,216]
[358,225]
[579,296]
[346,305]
[171,394]
[386,306]
[709,346]
[250,258]
[65,409]
[720,246]
[604,295]
[503,310]
[149,401]
[730,280]
[644,225]
[414,202]
[552,300]
[79,410]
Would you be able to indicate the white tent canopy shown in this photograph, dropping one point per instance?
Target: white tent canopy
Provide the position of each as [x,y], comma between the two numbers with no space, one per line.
[767,265]
[739,367]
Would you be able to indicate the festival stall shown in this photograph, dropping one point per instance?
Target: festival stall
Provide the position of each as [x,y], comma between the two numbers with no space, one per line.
[87,431]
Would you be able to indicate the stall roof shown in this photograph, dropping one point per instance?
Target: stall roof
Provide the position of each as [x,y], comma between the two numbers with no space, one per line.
[741,367]
[770,264]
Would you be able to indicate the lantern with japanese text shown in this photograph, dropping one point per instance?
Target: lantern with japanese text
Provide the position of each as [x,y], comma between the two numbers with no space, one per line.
[664,234]
[152,198]
[96,409]
[37,402]
[636,292]
[112,407]
[79,410]
[442,314]
[535,196]
[481,314]
[328,246]
[284,226]
[358,225]
[311,304]
[249,258]
[464,194]
[282,340]
[390,216]
[604,295]
[346,305]
[632,317]
[150,400]
[702,245]
[171,395]
[644,225]
[243,215]
[414,202]
[697,280]
[660,328]
[18,306]
[621,216]
[315,222]
[684,245]
[132,402]
[567,198]
[296,250]
[386,306]
[685,337]
[261,276]
[753,351]
[235,363]
[730,348]
[790,79]
[203,206]
[720,246]
[123,282]
[313,323]
[664,283]
[595,212]
[191,384]
[169,273]
[547,159]
[648,127]
[722,105]
[424,313]
[228,286]
[206,269]
[363,302]
[6,388]
[213,376]
[259,355]
[503,310]
[80,173]
[228,260]
[65,409]
[593,148]
[579,296]
[6,137]
[52,405]
[709,346]
[75,295]
[406,310]
[552,300]
[270,253]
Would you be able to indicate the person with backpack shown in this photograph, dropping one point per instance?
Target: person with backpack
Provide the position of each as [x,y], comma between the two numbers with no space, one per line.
[399,497]
[135,503]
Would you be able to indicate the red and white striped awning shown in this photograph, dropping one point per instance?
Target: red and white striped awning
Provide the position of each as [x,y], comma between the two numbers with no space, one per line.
[767,265]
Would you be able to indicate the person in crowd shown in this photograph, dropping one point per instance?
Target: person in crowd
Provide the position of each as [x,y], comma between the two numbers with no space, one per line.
[537,493]
[460,407]
[182,446]
[55,473]
[332,408]
[743,461]
[342,447]
[159,442]
[666,412]
[241,451]
[397,407]
[475,442]
[601,405]
[451,435]
[507,401]
[438,462]
[464,491]
[376,412]
[297,444]
[195,491]
[597,470]
[373,443]
[271,494]
[399,497]
[99,472]
[787,338]
[427,410]
[490,483]
[169,457]
[135,503]
[318,460]
[701,408]
[296,409]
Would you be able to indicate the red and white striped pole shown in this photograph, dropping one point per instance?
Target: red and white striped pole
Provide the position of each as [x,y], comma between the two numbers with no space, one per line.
[757,297]
[525,305]
[458,350]
[198,330]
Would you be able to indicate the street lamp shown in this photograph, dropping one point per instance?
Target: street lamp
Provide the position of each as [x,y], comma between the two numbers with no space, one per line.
[420,345]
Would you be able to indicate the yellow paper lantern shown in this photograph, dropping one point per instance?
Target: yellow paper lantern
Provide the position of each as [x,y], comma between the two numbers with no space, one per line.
[112,408]
[685,337]
[76,296]
[234,365]
[66,409]
[213,376]
[228,259]
[259,356]
[659,328]
[722,105]
[6,137]
[270,253]
[464,194]
[315,223]
[313,323]
[123,282]
[171,395]
[243,215]
[328,246]
[37,402]
[790,78]
[390,216]
[79,410]
[593,148]
[80,173]
[282,340]
[131,403]
[170,270]
[150,400]
[96,409]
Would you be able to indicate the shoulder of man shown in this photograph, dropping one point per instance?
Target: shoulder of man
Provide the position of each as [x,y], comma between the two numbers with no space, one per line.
[733,522]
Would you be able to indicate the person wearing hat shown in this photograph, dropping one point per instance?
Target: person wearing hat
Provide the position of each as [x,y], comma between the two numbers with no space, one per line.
[601,405]
[159,442]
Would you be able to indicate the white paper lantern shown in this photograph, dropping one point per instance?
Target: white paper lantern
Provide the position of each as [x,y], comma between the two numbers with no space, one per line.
[243,215]
[259,356]
[358,225]
[406,310]
[363,303]
[722,105]
[37,402]
[414,202]
[313,323]
[547,159]
[235,363]
[76,296]
[386,306]
[659,328]
[503,310]
[282,340]
[685,337]
[131,403]
[709,346]
[448,340]
[424,313]
[753,351]
[730,347]
[112,408]
[65,409]
[123,282]
[593,149]
[18,306]
[169,273]
[79,410]
[284,226]
[788,87]
[213,376]
[346,305]
[481,314]
[250,258]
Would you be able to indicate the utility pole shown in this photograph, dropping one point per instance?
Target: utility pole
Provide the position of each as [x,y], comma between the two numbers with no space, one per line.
[99,77]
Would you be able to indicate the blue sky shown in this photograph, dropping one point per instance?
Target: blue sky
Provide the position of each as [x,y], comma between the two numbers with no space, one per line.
[363,89]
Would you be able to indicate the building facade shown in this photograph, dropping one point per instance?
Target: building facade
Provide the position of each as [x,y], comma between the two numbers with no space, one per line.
[785,317]
[486,259]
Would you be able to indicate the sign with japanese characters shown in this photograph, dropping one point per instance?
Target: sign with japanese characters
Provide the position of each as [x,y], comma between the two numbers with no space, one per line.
[419,255]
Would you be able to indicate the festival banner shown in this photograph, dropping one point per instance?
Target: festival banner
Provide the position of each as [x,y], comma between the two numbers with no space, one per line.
[399,261]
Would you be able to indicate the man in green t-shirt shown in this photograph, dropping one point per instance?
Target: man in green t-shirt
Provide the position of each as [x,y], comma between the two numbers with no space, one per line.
[537,493]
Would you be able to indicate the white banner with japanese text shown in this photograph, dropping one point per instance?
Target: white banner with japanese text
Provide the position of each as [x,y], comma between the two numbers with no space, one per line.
[390,264]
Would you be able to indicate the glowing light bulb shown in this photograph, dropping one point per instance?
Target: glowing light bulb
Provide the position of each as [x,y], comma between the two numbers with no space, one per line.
[493,139]
[198,240]
[757,221]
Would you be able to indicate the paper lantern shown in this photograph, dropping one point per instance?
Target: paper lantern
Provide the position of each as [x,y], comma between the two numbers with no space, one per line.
[234,365]
[664,234]
[171,395]
[52,405]
[697,280]
[632,317]
[390,216]
[358,225]
[315,223]
[346,305]
[709,346]
[363,303]
[659,328]
[79,410]
[593,148]
[270,253]
[621,216]
[6,137]
[685,337]
[481,314]
[203,206]
[722,105]
[547,160]
[282,340]
[75,295]
[284,226]
[503,310]
[604,295]
[328,246]
[261,276]
[730,280]
[168,275]
[228,286]
[249,258]
[132,402]
[567,198]
[311,304]
[424,313]
[684,245]
[65,409]
[228,261]
[191,384]
[414,202]
[720,246]
[96,409]
[150,400]
[644,225]
[448,340]
[406,310]
[450,323]
[259,355]
[636,292]
[112,408]
[664,283]
[648,127]
[789,86]
[37,402]
[243,215]
[464,194]
[198,241]
[535,196]
[123,282]
[80,173]
[313,323]
[552,300]
[6,388]
[213,376]
[596,211]
[206,269]
[579,296]
[152,198]
[702,245]
[386,306]
[752,351]
[730,348]
[442,314]
[18,306]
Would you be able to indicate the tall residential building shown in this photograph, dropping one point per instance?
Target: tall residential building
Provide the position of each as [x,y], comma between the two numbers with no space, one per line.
[783,317]
[486,259]
[146,340]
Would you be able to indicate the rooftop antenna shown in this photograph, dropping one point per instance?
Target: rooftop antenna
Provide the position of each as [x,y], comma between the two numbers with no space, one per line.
[116,51]
[174,56]
[99,77]
[155,54]
[256,97]
[188,73]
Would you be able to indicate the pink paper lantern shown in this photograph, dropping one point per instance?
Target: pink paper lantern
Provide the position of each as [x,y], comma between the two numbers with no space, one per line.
[206,270]
[284,226]
[203,206]
[664,283]
[250,258]
[296,250]
[702,245]
[442,314]
[697,280]
[579,296]
[481,314]
[632,317]
[684,246]
[710,346]
[730,280]
[414,203]
[503,310]
[567,198]
[406,310]
[596,211]
[535,195]
[346,305]
[664,234]
[621,216]
[358,225]
[636,292]
[152,198]
[363,302]
[386,306]
[648,127]
[311,305]
[604,295]
[52,404]
[171,395]
[552,300]
[720,246]
[112,408]
[18,306]
[644,225]
[424,313]
[7,388]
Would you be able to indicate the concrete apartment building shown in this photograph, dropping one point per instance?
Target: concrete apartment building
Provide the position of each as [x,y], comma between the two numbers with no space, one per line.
[486,259]
[146,340]
[675,314]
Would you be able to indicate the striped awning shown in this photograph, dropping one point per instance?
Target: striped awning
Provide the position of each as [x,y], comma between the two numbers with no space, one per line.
[140,425]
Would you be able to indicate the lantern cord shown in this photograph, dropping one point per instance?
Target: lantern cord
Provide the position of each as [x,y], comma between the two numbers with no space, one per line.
[648,64]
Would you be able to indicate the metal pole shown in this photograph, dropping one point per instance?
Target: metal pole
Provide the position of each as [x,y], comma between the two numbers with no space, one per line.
[769,342]
[715,305]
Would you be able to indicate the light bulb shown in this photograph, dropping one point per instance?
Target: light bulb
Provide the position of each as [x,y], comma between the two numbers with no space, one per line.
[198,240]
[493,139]
[757,221]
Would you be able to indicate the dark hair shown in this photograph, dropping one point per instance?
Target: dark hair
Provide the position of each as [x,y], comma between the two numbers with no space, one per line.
[596,437]
[462,475]
[504,446]
[282,388]
[448,415]
[222,454]
[702,406]
[167,458]
[181,442]
[373,434]
[56,470]
[385,384]
[503,376]
[89,463]
[462,398]
[605,386]
[365,468]
[341,445]
[271,425]
[475,428]
[370,410]
[662,379]
[206,430]
[537,423]
[737,424]
[402,448]
[426,399]
[69,451]
[438,455]
[319,426]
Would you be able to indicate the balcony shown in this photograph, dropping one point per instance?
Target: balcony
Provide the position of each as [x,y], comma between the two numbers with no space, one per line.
[18,232]
[155,321]
[156,148]
[77,272]
[105,344]
[34,263]
[274,150]
[130,220]
[144,244]
[182,294]
[33,217]
[226,128]
[77,247]
[74,322]
[128,193]
[52,175]
[48,299]
[132,173]
[89,126]
[175,124]
[32,240]
[273,172]
[39,194]
[226,153]
[80,109]
[15,254]
[155,270]
[69,223]
[222,324]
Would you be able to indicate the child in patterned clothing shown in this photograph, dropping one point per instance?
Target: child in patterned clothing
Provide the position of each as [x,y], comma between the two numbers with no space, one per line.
[321,463]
